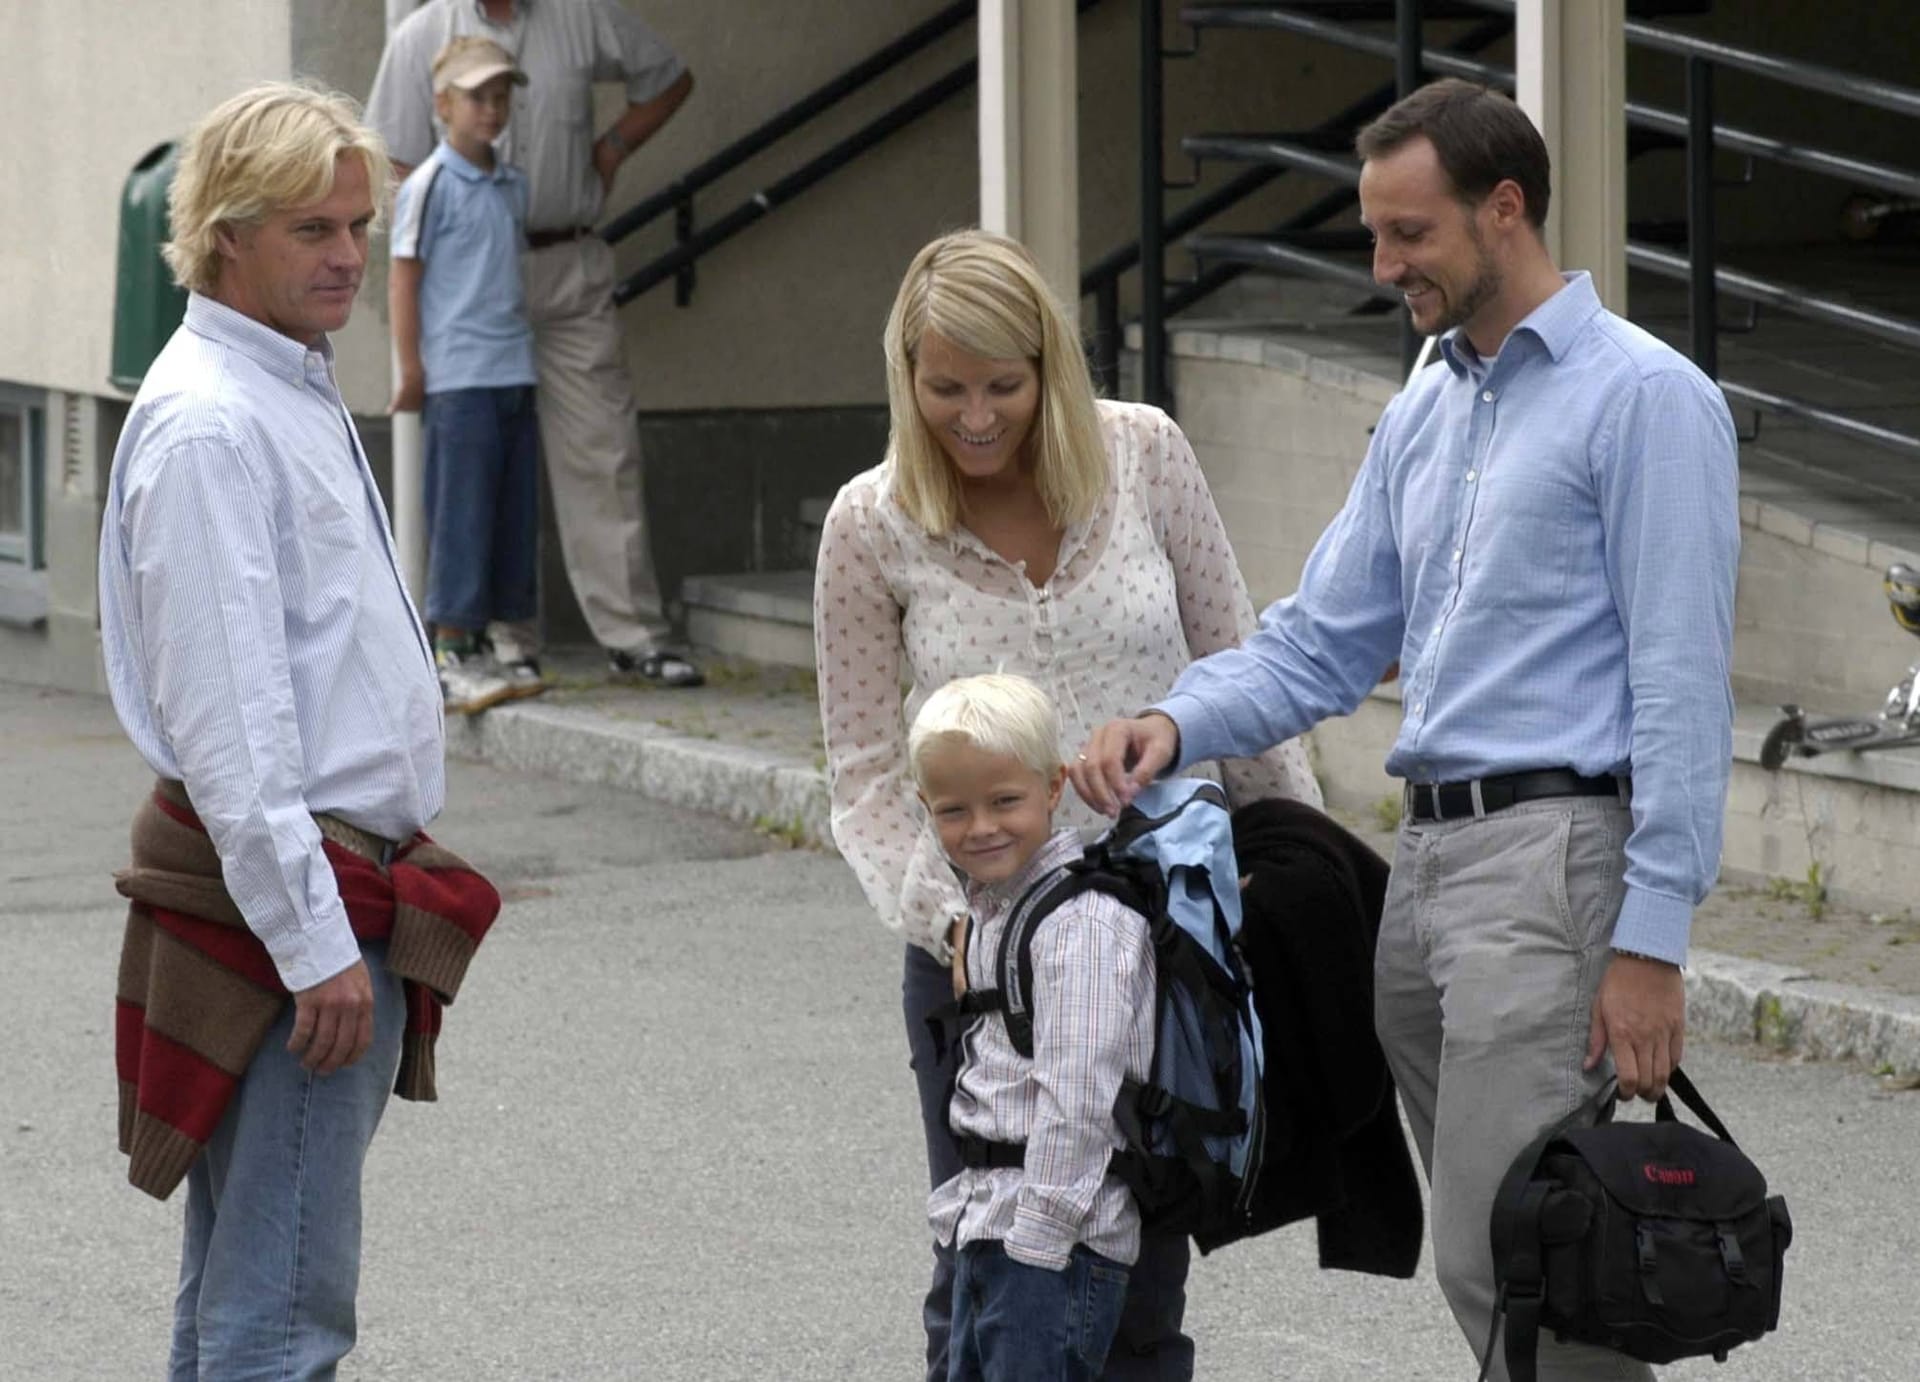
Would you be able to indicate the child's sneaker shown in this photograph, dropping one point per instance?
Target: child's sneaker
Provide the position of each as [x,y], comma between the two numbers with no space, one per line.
[470,682]
[523,677]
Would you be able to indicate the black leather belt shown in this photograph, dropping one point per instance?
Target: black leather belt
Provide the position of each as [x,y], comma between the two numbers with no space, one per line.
[1445,801]
[541,239]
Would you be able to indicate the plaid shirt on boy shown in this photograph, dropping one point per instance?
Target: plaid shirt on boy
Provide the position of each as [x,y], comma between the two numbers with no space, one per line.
[1093,1010]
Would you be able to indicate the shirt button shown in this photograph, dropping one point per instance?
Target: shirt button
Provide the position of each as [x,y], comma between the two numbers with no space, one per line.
[1420,709]
[1456,556]
[1470,475]
[1486,396]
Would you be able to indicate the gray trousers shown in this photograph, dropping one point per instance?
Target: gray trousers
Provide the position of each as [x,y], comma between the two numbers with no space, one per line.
[590,438]
[1492,944]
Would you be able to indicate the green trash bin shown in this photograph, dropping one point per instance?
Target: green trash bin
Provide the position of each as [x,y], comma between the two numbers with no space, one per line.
[147,305]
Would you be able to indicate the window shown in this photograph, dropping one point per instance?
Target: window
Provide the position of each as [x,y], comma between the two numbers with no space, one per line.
[22,455]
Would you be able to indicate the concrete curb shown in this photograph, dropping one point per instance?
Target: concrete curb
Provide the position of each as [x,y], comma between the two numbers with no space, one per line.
[1792,1012]
[768,790]
[1728,998]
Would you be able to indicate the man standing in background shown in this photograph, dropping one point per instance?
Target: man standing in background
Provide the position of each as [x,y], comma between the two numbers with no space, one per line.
[588,429]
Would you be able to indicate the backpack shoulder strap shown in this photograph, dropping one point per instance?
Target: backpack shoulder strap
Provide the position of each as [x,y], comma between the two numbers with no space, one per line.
[1013,966]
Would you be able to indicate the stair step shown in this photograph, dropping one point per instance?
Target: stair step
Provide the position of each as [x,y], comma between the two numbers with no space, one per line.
[766,616]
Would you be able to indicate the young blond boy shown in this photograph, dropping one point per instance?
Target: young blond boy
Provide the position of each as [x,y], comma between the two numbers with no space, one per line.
[1044,1238]
[465,350]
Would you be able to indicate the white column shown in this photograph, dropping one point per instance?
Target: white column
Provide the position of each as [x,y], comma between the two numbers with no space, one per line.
[1029,134]
[1570,65]
[409,453]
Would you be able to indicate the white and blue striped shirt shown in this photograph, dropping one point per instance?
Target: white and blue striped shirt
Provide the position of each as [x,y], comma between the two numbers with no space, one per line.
[259,644]
[1547,542]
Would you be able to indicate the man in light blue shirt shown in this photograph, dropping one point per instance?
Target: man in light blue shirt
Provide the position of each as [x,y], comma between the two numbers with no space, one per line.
[1544,537]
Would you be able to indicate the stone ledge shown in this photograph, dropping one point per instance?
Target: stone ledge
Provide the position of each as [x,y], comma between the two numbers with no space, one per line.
[1790,1011]
[783,596]
[749,785]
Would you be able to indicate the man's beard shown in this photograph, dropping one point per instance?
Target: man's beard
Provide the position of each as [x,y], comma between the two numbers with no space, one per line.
[1484,288]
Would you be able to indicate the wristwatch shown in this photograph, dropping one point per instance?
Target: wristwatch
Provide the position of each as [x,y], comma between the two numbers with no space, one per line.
[620,146]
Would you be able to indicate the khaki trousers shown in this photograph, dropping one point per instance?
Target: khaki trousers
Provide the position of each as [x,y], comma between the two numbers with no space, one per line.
[1492,944]
[591,442]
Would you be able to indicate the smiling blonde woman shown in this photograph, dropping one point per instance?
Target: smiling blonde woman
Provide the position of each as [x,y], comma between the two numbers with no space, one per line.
[1017,525]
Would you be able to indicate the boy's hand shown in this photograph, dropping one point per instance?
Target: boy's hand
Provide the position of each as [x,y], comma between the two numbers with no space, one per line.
[411,392]
[957,939]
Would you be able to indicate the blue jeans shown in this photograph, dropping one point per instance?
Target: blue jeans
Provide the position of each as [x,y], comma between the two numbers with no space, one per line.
[1016,1323]
[271,1262]
[483,506]
[1150,1346]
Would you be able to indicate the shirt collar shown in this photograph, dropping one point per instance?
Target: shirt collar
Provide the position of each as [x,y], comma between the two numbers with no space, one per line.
[1554,323]
[1062,847]
[462,166]
[258,342]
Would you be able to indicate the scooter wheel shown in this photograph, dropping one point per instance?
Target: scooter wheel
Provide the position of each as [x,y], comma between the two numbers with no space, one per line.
[1779,744]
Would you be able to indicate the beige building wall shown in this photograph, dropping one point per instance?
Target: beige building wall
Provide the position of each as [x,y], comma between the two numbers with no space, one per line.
[91,86]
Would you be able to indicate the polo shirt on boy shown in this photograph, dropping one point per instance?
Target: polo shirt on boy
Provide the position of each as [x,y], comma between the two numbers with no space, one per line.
[467,226]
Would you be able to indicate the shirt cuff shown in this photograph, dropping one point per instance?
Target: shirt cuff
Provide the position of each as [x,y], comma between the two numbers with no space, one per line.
[304,959]
[1203,733]
[1654,924]
[1040,1241]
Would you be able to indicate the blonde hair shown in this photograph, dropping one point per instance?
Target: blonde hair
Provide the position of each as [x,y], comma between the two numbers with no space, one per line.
[983,293]
[271,147]
[998,713]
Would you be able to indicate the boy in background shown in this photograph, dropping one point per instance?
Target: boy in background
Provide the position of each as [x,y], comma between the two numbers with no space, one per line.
[466,361]
[1044,1237]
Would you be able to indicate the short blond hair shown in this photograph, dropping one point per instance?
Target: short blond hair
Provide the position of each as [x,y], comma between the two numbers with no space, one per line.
[984,294]
[997,713]
[271,147]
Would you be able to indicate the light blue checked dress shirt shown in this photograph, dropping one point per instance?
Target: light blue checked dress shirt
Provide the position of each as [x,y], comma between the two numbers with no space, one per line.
[1547,542]
[259,645]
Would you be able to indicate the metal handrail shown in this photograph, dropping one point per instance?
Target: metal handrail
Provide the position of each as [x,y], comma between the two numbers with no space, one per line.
[1808,76]
[1885,177]
[1700,136]
[1346,171]
[678,262]
[1899,330]
[1101,279]
[683,255]
[773,129]
[1319,266]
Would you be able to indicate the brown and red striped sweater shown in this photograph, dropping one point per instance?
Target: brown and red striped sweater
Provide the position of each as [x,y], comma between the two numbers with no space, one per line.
[198,991]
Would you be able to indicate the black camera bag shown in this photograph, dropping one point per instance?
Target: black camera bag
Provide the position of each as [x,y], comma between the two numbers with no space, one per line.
[1649,1238]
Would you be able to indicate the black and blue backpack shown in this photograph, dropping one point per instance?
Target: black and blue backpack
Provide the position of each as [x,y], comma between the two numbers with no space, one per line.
[1195,1129]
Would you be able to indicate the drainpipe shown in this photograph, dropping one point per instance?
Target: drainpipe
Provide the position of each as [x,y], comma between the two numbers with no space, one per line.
[409,458]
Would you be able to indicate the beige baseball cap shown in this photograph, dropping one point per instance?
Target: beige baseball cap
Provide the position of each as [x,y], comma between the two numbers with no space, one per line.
[468,62]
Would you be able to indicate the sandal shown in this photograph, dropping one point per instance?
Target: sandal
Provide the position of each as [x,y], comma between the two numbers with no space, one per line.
[660,669]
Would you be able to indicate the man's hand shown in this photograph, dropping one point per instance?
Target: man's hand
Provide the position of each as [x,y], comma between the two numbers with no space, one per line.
[1122,757]
[333,1020]
[410,395]
[1641,1013]
[607,158]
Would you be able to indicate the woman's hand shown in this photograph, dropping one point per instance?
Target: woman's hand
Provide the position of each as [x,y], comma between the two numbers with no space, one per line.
[957,941]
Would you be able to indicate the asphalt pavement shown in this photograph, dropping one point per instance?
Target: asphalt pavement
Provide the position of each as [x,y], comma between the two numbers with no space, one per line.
[677,1138]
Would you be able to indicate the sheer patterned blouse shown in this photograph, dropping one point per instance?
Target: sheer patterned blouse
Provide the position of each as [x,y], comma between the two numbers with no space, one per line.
[1142,588]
